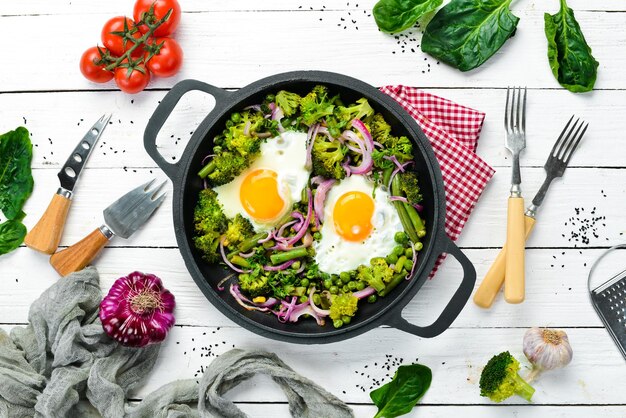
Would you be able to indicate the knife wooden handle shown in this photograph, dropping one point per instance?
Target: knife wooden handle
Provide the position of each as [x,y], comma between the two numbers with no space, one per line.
[79,255]
[491,284]
[514,274]
[46,235]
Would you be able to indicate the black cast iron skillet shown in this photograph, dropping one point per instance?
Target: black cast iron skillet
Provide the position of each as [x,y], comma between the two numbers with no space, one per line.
[187,185]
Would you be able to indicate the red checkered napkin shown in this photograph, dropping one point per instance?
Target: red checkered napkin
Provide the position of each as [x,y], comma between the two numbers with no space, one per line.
[453,131]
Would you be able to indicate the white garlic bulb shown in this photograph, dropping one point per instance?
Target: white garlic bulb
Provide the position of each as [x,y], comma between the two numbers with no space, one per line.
[547,349]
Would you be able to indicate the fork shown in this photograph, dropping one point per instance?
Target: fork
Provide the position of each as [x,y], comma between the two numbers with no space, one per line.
[515,142]
[555,166]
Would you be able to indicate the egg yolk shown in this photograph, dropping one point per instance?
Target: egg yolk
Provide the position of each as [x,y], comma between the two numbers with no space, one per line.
[259,195]
[352,216]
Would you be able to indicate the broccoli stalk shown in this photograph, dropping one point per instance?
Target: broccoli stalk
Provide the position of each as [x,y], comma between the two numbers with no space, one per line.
[500,380]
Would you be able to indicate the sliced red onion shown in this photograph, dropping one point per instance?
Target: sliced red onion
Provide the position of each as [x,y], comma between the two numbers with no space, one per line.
[378,144]
[311,135]
[204,160]
[205,183]
[247,255]
[394,160]
[302,266]
[279,267]
[304,309]
[220,286]
[272,106]
[282,229]
[228,263]
[351,136]
[346,166]
[405,200]
[270,235]
[410,275]
[317,180]
[320,197]
[302,231]
[366,164]
[307,240]
[361,294]
[255,107]
[262,134]
[299,220]
[284,314]
[277,115]
[242,300]
[246,128]
[319,311]
[365,133]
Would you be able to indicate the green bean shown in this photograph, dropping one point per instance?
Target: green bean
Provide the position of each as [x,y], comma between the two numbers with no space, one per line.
[282,257]
[268,244]
[400,208]
[395,281]
[239,261]
[418,224]
[371,298]
[250,243]
[387,175]
[207,169]
[400,264]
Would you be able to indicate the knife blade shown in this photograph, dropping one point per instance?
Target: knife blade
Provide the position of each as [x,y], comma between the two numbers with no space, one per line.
[122,218]
[46,234]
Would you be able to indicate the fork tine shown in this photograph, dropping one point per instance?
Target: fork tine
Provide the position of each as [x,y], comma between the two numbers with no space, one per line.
[558,141]
[157,189]
[575,144]
[518,110]
[568,136]
[147,185]
[524,112]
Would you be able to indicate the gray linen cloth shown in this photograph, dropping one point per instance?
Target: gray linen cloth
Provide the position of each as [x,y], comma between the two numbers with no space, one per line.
[63,356]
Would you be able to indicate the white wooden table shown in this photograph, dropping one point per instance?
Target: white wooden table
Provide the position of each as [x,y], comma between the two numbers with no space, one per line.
[230,44]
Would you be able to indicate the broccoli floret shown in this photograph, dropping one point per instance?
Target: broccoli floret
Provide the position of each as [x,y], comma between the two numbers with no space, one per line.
[210,223]
[379,128]
[500,380]
[410,187]
[316,105]
[361,109]
[377,274]
[239,229]
[288,102]
[327,157]
[255,283]
[225,167]
[343,305]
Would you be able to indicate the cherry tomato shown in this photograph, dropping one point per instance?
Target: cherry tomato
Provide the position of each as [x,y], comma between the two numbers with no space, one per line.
[134,82]
[161,7]
[92,71]
[115,43]
[168,60]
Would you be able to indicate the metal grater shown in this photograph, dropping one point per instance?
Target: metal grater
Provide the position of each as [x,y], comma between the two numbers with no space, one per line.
[609,301]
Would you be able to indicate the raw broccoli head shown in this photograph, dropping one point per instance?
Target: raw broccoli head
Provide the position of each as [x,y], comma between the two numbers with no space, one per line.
[316,105]
[255,283]
[410,187]
[327,156]
[500,380]
[343,305]
[209,222]
[288,102]
[239,229]
[376,274]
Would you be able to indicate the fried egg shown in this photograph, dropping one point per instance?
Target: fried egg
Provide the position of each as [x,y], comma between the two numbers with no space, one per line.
[267,189]
[358,225]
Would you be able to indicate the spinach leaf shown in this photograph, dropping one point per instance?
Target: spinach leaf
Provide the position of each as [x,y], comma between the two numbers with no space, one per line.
[12,234]
[568,53]
[16,180]
[466,33]
[400,395]
[397,15]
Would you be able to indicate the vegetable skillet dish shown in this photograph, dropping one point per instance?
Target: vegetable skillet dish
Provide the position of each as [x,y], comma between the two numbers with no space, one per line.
[313,205]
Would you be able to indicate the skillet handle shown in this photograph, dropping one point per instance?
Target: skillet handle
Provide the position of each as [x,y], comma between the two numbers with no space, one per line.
[452,309]
[163,111]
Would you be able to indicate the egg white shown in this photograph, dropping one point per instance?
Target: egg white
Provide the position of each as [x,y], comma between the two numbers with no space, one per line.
[285,155]
[333,253]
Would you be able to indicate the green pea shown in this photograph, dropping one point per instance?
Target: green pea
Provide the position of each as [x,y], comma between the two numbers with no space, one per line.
[296,265]
[371,298]
[352,285]
[391,258]
[317,236]
[304,282]
[360,285]
[408,265]
[345,288]
[229,124]
[337,323]
[217,149]
[270,98]
[344,276]
[325,276]
[398,250]
[235,117]
[317,299]
[418,246]
[328,284]
[303,298]
[346,319]
[400,237]
[268,244]
[408,253]
[334,290]
[338,281]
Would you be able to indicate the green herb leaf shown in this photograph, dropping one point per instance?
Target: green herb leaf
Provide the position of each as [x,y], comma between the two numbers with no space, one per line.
[466,33]
[397,15]
[12,234]
[399,396]
[568,53]
[16,180]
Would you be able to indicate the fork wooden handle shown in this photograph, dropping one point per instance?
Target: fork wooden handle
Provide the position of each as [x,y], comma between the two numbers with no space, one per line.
[514,285]
[46,234]
[494,279]
[79,255]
